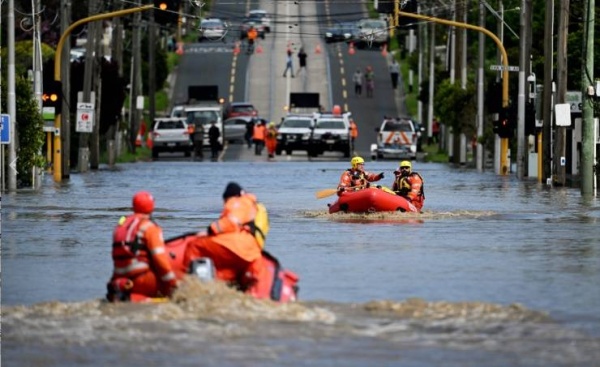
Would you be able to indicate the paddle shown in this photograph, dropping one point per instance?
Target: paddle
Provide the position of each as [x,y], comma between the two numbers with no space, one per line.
[328,192]
[325,193]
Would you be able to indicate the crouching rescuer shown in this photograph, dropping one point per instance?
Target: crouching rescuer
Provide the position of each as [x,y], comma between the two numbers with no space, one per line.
[142,268]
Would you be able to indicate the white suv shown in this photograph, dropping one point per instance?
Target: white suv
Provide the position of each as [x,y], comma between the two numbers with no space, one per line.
[294,133]
[331,133]
[170,135]
[396,138]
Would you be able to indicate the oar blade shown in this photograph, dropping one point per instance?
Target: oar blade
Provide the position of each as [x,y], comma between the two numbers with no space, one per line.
[325,193]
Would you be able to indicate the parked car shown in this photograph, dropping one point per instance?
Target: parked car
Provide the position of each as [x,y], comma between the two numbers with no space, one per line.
[252,22]
[341,32]
[396,138]
[235,128]
[212,29]
[234,109]
[294,133]
[170,135]
[262,16]
[331,133]
[202,115]
[372,32]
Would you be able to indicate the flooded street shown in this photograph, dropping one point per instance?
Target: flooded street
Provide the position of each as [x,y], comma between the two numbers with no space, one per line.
[494,272]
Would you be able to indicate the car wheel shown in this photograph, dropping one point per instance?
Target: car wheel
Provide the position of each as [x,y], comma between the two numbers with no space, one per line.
[288,151]
[278,151]
[154,153]
[187,153]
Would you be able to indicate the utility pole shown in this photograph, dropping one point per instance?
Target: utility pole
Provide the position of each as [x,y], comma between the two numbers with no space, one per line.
[525,26]
[88,85]
[480,88]
[65,125]
[152,68]
[548,91]
[561,90]
[588,138]
[134,116]
[37,75]
[422,34]
[11,98]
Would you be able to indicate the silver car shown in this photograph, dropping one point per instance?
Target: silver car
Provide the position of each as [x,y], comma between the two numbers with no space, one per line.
[170,135]
[212,29]
[372,32]
[236,127]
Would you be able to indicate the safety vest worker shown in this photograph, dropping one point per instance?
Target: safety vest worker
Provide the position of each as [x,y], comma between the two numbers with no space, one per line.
[409,184]
[356,178]
[231,240]
[141,263]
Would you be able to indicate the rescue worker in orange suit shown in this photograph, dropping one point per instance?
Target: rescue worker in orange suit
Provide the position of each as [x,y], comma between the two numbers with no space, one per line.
[230,241]
[141,263]
[251,34]
[409,184]
[258,137]
[356,178]
[353,134]
[271,139]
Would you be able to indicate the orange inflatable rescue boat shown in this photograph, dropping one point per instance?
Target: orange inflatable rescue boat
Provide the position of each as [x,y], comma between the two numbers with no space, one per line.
[373,199]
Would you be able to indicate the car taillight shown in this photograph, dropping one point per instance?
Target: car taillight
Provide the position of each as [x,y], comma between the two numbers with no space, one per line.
[155,134]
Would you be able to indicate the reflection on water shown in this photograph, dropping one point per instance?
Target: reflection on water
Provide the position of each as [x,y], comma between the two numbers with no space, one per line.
[494,272]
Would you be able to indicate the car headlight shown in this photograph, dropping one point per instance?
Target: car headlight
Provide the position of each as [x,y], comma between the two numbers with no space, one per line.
[328,34]
[305,136]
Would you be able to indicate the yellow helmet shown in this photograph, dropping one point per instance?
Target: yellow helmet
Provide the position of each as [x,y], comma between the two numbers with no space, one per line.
[406,164]
[356,161]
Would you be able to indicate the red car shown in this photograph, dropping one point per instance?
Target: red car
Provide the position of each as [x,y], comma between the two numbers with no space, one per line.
[240,109]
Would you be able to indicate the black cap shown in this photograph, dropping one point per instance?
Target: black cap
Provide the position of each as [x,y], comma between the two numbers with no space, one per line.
[232,189]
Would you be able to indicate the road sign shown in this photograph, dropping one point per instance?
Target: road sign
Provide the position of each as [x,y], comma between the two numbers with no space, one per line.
[85,117]
[502,68]
[573,98]
[5,129]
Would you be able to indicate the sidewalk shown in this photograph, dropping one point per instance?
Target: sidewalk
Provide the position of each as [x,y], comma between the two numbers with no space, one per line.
[268,89]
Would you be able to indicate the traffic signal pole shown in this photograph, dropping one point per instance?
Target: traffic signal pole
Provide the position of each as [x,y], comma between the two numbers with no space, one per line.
[503,141]
[57,152]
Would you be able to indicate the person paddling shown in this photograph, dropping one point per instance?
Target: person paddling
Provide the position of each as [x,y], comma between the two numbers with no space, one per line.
[356,178]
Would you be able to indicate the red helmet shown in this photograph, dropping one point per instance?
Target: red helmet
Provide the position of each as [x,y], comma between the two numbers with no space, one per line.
[143,202]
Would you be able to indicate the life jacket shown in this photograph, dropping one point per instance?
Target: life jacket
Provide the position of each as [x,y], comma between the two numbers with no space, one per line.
[260,226]
[358,178]
[129,252]
[404,187]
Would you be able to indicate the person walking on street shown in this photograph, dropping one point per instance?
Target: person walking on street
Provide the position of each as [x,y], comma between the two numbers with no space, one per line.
[302,60]
[271,140]
[289,65]
[213,140]
[356,178]
[141,264]
[196,131]
[357,78]
[370,80]
[409,184]
[258,137]
[394,72]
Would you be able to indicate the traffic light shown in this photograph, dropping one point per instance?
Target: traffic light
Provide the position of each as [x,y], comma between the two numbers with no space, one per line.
[504,127]
[166,11]
[52,96]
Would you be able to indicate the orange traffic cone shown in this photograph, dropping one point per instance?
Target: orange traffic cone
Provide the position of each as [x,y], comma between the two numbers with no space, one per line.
[236,49]
[138,140]
[351,50]
[259,49]
[384,51]
[318,49]
[149,142]
[179,50]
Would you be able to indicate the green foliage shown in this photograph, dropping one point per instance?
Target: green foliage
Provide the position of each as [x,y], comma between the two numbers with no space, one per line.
[23,59]
[29,136]
[456,106]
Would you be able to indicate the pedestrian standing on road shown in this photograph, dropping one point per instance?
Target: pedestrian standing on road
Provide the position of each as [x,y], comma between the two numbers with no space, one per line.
[394,72]
[370,80]
[213,140]
[249,132]
[302,60]
[357,78]
[258,137]
[353,134]
[289,64]
[196,131]
[271,140]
